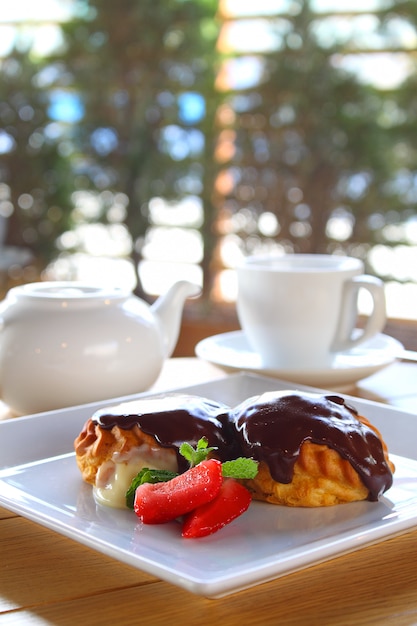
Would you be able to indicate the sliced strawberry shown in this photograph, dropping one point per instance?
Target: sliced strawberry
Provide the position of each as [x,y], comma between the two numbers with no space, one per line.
[161,502]
[232,500]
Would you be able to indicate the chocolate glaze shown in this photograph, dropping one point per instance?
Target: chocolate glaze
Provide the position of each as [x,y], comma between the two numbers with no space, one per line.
[273,426]
[270,428]
[172,419]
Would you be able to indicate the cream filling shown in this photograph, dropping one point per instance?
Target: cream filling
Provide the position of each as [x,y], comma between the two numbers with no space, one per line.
[115,476]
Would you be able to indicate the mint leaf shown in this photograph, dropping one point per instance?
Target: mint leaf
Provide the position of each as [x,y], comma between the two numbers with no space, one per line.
[240,468]
[195,455]
[146,475]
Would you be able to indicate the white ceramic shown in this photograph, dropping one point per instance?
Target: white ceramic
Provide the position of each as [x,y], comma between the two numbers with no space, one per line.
[298,311]
[44,484]
[232,351]
[67,343]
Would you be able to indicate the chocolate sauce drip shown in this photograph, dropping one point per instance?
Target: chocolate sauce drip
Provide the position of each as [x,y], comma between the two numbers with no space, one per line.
[273,426]
[174,418]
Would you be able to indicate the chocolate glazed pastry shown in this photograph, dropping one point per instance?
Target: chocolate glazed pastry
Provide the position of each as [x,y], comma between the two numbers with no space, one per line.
[118,441]
[314,450]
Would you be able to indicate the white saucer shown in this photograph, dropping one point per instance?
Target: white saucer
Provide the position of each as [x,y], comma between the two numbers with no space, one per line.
[232,351]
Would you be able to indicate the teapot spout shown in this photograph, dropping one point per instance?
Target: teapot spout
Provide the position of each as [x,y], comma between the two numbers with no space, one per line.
[168,312]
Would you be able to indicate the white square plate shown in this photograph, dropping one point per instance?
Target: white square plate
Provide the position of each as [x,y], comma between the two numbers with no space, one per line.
[39,479]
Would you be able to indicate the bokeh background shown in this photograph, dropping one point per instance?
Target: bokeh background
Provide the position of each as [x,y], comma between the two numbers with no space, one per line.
[147,141]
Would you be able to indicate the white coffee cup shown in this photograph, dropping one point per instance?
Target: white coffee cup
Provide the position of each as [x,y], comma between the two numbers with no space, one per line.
[299,310]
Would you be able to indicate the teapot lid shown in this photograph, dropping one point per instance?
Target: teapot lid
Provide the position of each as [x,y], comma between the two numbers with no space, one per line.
[68,290]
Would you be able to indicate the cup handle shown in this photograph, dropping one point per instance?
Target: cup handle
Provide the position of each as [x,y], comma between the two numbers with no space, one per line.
[348,336]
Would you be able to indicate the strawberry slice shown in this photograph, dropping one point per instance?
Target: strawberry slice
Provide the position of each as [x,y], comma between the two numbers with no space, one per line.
[156,503]
[232,500]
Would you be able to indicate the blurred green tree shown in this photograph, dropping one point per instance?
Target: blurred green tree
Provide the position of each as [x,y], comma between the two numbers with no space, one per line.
[35,175]
[145,74]
[317,149]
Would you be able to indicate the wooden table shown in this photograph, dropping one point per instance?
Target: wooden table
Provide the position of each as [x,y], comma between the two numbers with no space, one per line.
[46,578]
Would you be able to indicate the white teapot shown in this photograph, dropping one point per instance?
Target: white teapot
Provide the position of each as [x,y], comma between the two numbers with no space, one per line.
[67,343]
